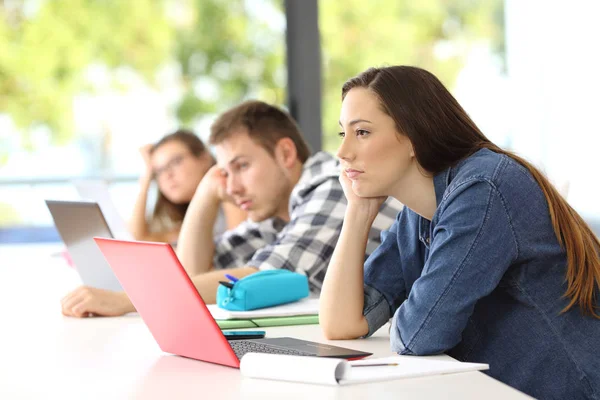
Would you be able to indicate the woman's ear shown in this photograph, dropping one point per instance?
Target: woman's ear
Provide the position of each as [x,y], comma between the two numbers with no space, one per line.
[286,152]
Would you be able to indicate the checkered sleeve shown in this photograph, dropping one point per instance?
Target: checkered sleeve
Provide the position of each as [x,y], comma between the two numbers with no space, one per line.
[306,243]
[235,248]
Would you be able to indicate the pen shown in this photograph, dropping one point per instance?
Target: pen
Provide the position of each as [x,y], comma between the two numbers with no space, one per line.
[375,365]
[226,284]
[231,278]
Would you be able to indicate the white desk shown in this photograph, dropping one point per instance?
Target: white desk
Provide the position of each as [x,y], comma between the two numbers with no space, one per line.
[46,355]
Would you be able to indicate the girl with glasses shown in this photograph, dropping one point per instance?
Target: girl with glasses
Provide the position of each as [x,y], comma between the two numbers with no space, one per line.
[177,163]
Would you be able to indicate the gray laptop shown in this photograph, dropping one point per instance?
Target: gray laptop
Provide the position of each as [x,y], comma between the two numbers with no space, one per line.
[97,190]
[77,223]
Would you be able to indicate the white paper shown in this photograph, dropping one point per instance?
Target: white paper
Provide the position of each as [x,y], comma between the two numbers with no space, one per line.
[331,371]
[308,306]
[408,367]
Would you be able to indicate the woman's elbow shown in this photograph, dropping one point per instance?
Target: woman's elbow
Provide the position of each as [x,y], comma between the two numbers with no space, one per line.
[342,331]
[420,349]
[336,334]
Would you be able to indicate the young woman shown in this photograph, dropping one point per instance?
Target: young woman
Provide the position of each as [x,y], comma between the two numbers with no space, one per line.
[177,162]
[487,262]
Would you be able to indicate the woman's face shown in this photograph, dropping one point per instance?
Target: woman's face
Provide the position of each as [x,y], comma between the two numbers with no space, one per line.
[177,171]
[373,154]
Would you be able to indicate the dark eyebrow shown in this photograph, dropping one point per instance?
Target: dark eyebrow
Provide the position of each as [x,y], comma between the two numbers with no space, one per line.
[355,121]
[235,159]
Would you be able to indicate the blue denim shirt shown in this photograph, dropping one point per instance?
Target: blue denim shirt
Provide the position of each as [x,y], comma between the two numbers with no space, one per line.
[484,281]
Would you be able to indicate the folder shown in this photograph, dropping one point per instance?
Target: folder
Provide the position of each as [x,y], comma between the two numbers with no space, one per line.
[302,312]
[265,322]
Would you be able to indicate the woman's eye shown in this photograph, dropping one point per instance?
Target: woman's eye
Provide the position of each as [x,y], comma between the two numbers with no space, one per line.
[341,134]
[244,165]
[362,132]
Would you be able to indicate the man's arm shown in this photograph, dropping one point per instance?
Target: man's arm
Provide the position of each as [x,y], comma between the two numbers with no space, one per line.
[207,283]
[306,243]
[195,247]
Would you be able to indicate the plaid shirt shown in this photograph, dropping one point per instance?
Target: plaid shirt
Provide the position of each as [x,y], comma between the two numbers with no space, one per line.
[306,243]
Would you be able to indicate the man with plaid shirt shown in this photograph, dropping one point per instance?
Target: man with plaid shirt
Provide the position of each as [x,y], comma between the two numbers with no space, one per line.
[295,205]
[304,244]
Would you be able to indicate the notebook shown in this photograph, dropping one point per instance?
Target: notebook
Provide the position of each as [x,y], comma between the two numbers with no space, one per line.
[301,307]
[264,322]
[330,371]
[302,312]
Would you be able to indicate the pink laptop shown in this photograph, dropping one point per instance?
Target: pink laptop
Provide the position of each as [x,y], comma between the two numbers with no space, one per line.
[176,315]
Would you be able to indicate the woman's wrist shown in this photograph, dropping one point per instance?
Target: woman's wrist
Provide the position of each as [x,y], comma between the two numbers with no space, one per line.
[146,178]
[358,220]
[361,213]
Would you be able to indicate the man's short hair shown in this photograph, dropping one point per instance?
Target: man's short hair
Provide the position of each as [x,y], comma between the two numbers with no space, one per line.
[264,123]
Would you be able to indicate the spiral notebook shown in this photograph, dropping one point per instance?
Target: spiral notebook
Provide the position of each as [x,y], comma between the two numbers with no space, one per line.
[333,371]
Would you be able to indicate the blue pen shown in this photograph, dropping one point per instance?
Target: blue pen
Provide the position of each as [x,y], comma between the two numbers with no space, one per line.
[231,278]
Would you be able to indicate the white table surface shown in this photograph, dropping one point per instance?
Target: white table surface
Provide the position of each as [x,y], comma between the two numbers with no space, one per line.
[47,355]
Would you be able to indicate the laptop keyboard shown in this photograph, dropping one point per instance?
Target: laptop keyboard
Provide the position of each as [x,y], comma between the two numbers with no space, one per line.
[241,347]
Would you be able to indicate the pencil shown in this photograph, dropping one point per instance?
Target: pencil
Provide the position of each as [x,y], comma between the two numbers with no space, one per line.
[374,365]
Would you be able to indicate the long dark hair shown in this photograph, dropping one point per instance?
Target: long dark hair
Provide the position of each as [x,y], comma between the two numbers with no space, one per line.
[442,134]
[165,211]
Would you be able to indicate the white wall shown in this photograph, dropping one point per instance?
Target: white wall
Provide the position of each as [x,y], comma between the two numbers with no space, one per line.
[553,63]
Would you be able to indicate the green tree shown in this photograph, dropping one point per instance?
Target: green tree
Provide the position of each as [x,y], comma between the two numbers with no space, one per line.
[48,45]
[356,35]
[216,44]
[231,51]
[224,52]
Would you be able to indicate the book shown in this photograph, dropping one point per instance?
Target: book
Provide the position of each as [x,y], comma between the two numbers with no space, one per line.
[264,322]
[333,371]
[284,321]
[308,306]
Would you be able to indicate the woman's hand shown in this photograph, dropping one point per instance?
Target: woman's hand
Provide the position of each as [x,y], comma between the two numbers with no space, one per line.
[368,205]
[145,151]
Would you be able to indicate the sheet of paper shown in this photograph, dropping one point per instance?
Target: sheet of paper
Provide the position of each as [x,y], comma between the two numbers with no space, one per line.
[328,371]
[308,306]
[408,367]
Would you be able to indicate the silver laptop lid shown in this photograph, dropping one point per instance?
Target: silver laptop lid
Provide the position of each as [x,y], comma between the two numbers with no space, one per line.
[77,223]
[97,190]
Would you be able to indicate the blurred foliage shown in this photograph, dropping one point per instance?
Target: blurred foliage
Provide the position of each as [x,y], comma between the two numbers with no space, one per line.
[432,34]
[48,45]
[230,53]
[48,48]
[222,51]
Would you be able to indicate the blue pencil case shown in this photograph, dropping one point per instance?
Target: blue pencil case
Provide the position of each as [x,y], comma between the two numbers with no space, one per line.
[263,289]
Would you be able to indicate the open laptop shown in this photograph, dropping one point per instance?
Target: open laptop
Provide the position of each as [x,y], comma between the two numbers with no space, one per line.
[97,190]
[77,223]
[176,315]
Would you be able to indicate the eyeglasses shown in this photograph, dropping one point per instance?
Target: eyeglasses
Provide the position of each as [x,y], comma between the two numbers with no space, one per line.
[172,163]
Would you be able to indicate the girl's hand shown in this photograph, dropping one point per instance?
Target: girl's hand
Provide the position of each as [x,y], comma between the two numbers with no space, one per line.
[145,153]
[369,205]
